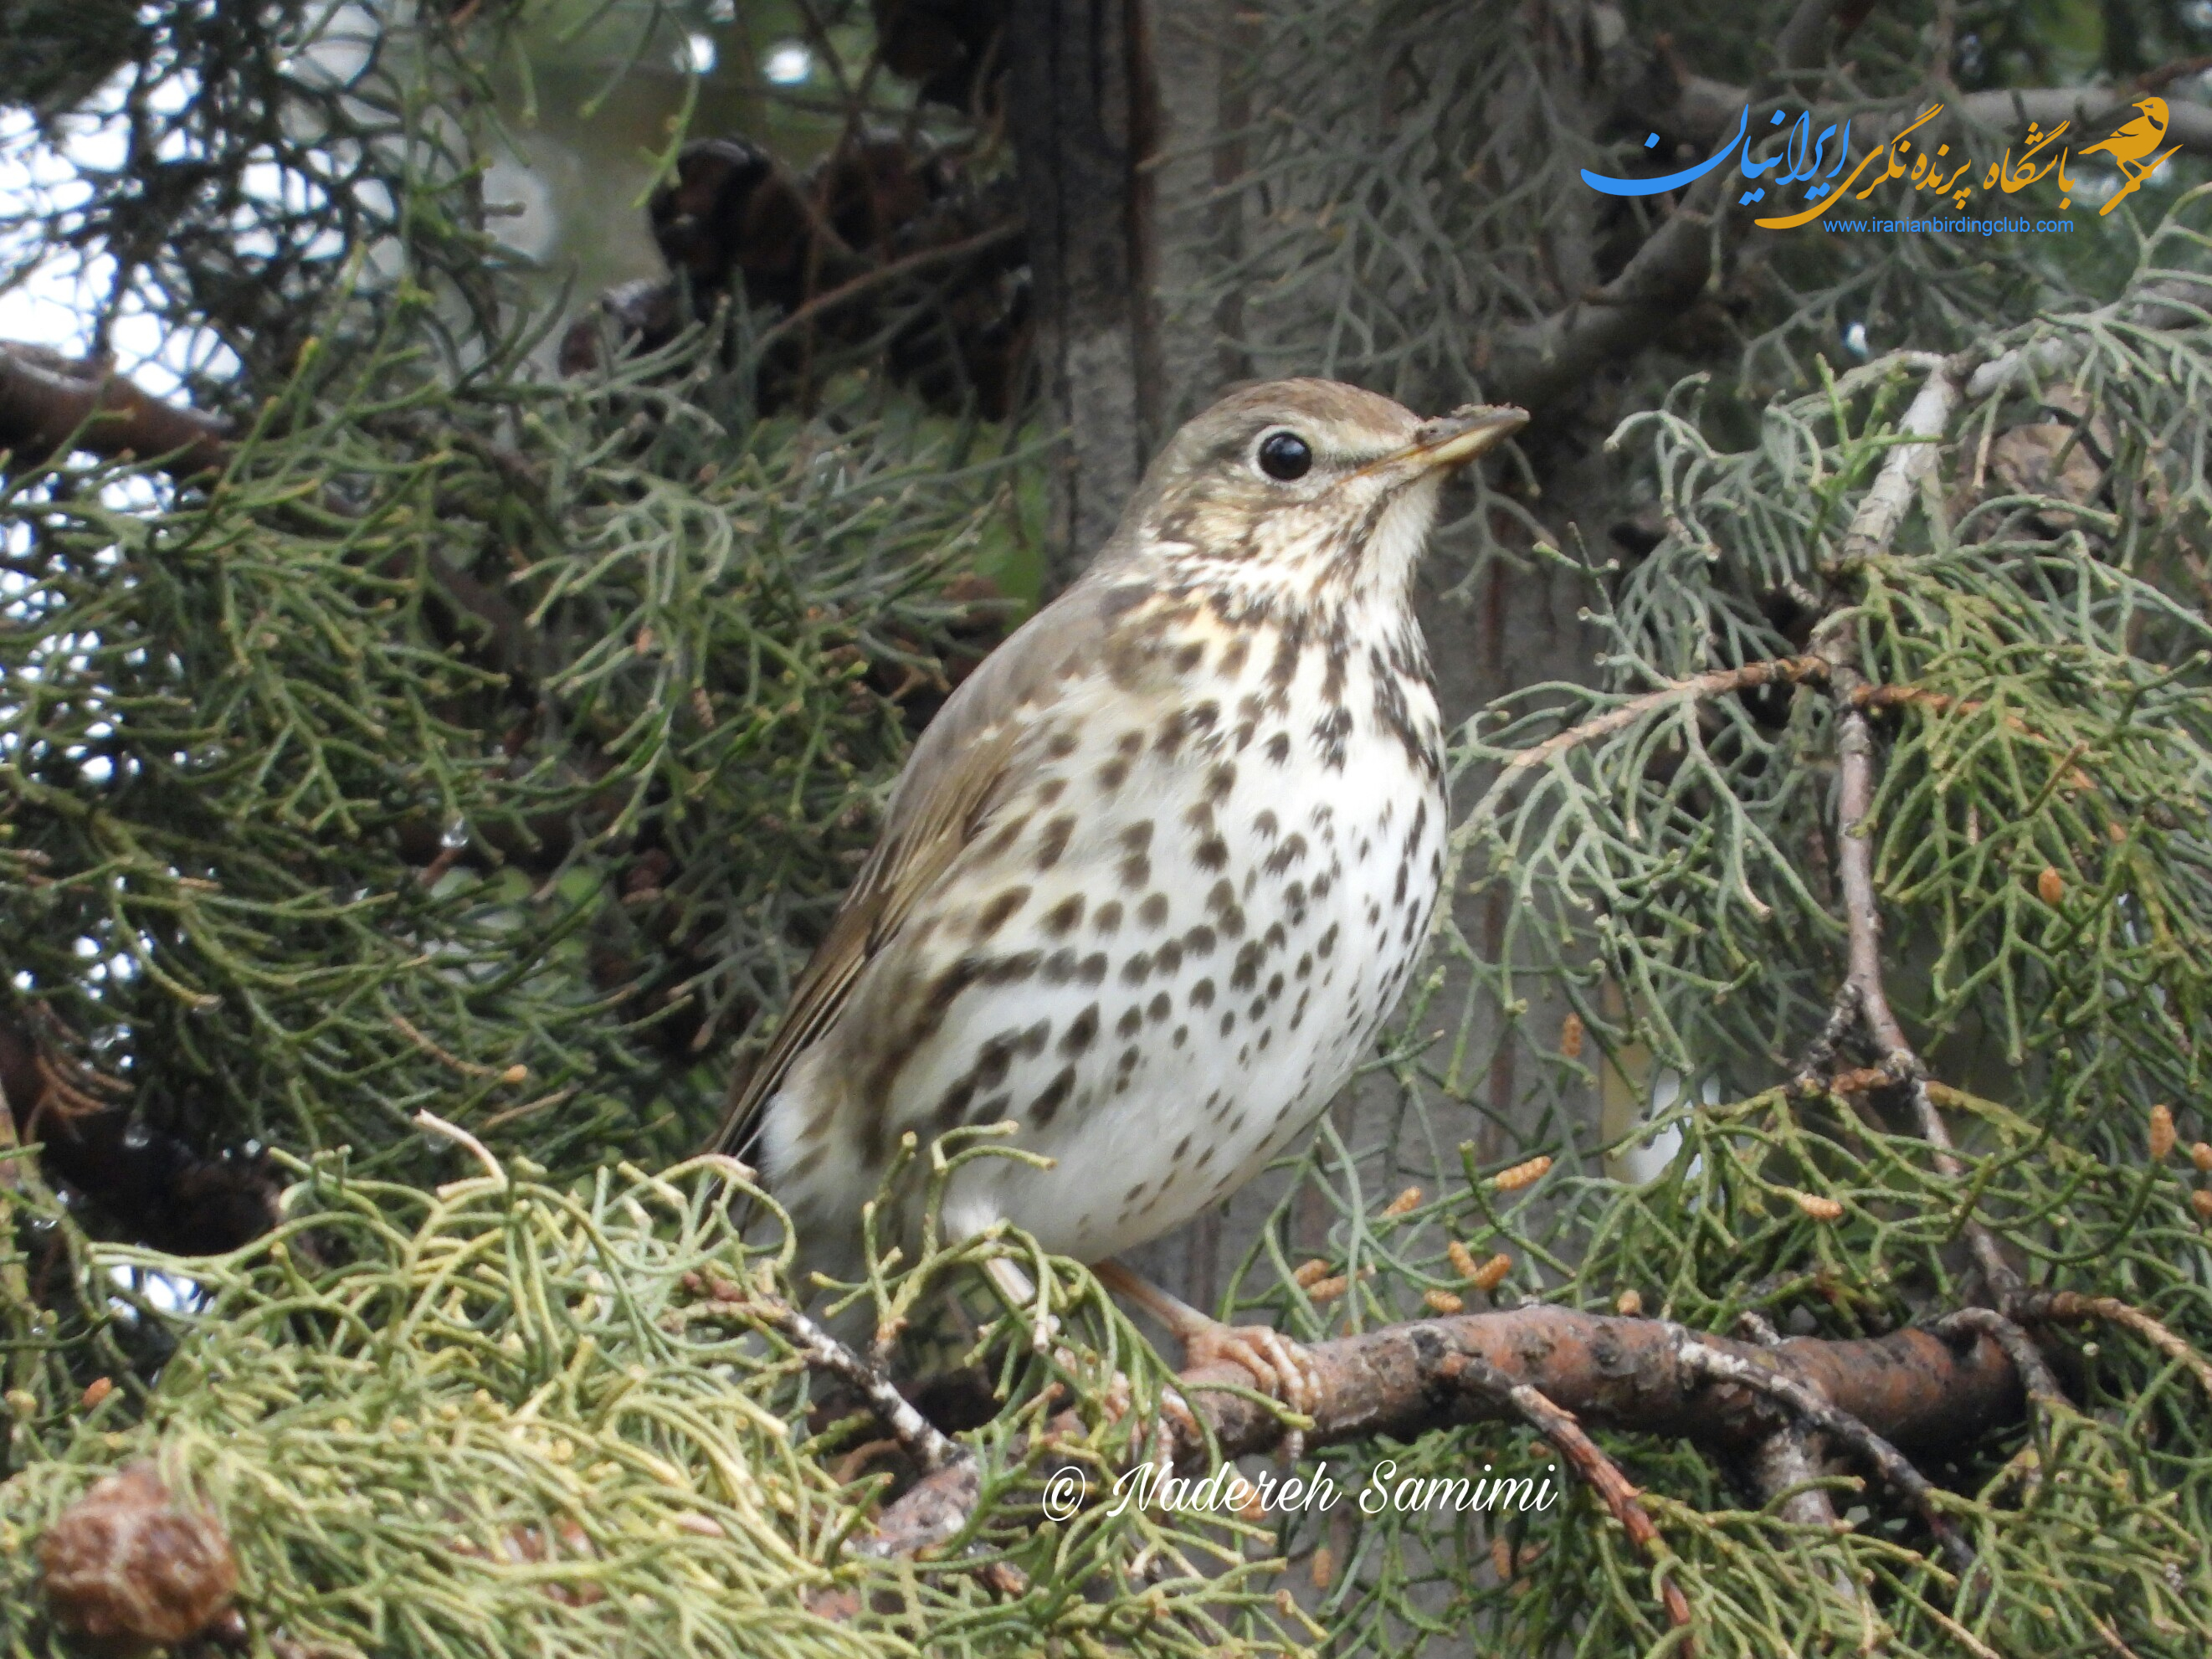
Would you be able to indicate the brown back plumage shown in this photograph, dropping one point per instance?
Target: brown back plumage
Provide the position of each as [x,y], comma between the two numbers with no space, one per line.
[964,763]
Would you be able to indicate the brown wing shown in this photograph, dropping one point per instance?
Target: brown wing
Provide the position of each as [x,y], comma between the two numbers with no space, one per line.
[970,757]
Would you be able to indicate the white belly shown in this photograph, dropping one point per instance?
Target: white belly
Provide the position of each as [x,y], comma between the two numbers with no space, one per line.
[1175,955]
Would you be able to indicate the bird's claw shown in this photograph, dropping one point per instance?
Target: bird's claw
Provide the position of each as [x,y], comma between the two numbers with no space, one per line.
[1278,1367]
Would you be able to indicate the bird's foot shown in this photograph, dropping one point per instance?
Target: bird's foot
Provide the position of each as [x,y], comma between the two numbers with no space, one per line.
[1279,1368]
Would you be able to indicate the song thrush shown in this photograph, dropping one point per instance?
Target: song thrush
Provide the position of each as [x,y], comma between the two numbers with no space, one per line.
[1156,873]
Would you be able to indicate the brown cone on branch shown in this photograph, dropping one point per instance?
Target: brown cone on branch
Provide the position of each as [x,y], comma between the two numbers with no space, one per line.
[131,1568]
[881,244]
[953,49]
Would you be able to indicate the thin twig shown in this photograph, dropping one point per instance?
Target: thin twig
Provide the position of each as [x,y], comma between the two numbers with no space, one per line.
[1697,688]
[2071,1307]
[1895,1469]
[431,1123]
[1911,459]
[825,1353]
[1600,1473]
[2035,1373]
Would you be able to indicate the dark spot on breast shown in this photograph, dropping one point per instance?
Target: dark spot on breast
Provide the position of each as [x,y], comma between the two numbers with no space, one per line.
[1060,966]
[1093,970]
[1158,1007]
[1131,1020]
[1246,974]
[1275,986]
[950,984]
[1082,1032]
[1199,940]
[1266,825]
[1035,1037]
[1286,856]
[1233,656]
[1330,733]
[1210,853]
[1168,958]
[1181,1036]
[1054,841]
[1061,746]
[1064,917]
[1012,970]
[993,916]
[1201,995]
[1137,969]
[993,1058]
[1274,938]
[1051,790]
[1127,1059]
[1112,774]
[1153,912]
[1305,964]
[1222,896]
[1053,1096]
[1278,749]
[1003,839]
[1328,941]
[1404,874]
[1187,658]
[1107,918]
[954,1105]
[1220,780]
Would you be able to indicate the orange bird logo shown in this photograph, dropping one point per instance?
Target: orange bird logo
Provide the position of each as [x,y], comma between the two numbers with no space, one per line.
[2131,144]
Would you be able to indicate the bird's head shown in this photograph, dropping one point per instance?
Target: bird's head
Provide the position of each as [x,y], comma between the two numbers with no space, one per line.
[1305,484]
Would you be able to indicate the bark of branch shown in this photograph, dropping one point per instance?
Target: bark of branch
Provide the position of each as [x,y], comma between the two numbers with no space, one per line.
[48,404]
[1913,1387]
[1891,1465]
[1598,1472]
[1696,689]
[1911,460]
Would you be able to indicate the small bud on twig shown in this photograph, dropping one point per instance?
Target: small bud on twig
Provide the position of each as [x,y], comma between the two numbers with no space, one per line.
[1526,1173]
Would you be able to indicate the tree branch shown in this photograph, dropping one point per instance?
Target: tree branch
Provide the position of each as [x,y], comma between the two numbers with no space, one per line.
[1911,1388]
[1888,1462]
[1600,1473]
[1697,688]
[1911,459]
[49,405]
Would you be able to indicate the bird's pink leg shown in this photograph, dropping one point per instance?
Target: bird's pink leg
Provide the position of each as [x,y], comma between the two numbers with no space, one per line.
[1277,1366]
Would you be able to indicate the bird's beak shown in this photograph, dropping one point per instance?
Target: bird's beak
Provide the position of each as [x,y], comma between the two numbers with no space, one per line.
[1456,439]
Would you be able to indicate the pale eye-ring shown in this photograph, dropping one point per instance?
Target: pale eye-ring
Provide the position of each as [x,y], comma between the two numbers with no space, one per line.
[1285,456]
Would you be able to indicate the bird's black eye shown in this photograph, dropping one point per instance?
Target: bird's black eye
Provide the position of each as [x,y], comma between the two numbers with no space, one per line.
[1285,456]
